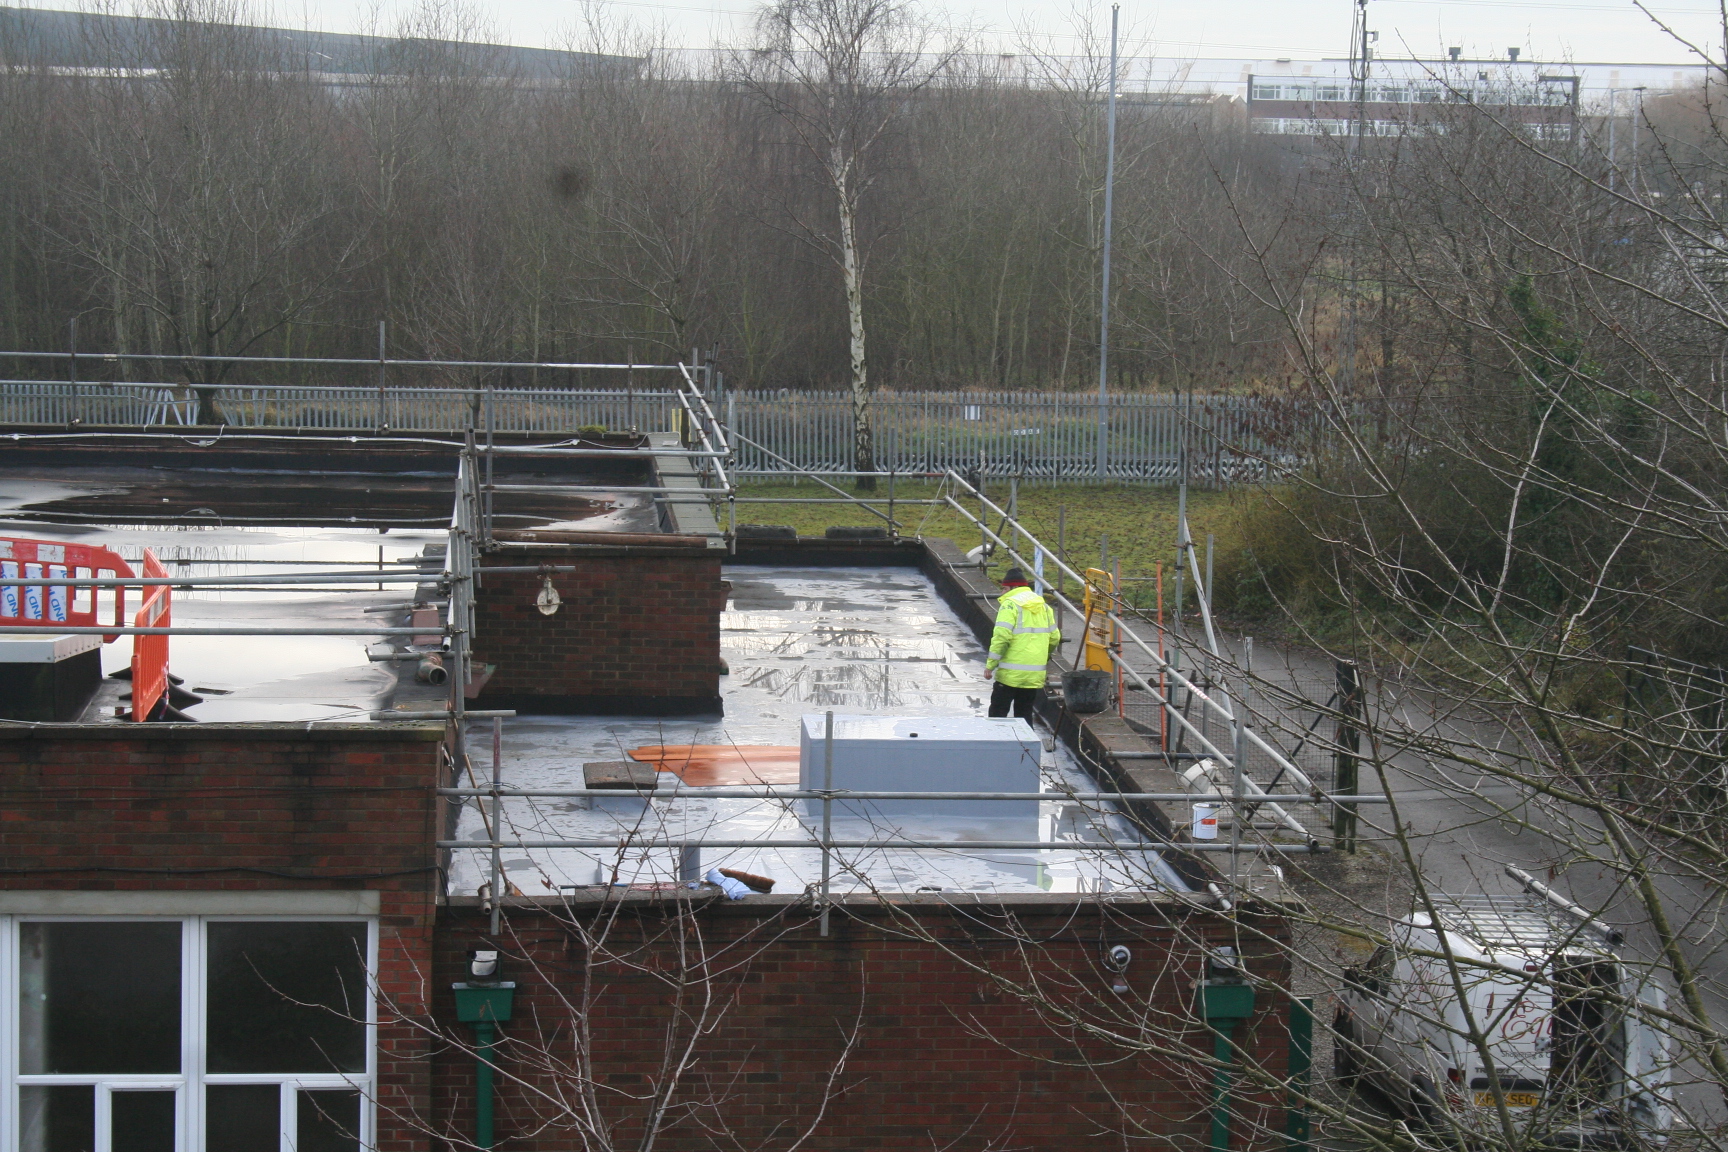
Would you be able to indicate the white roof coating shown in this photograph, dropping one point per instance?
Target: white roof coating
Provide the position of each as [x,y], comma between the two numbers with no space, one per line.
[859,640]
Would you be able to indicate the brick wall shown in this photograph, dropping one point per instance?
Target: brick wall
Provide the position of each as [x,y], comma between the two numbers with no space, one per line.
[943,1056]
[638,633]
[208,807]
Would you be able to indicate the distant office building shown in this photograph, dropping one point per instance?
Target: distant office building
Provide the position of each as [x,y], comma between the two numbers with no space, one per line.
[95,42]
[1320,98]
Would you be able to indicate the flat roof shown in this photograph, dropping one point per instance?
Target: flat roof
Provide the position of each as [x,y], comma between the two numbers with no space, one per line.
[196,521]
[865,642]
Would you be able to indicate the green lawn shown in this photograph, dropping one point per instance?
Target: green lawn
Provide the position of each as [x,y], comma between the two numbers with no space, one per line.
[1139,521]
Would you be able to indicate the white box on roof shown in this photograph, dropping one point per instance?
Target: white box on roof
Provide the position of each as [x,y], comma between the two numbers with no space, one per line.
[48,648]
[926,754]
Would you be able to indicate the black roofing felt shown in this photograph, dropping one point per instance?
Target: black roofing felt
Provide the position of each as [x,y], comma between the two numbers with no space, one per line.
[45,38]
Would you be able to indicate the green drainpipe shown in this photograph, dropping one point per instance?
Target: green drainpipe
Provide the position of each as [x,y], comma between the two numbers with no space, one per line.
[1296,1133]
[1224,1002]
[485,1006]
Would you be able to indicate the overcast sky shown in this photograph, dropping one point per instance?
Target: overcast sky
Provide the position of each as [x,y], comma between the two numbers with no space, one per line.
[1582,30]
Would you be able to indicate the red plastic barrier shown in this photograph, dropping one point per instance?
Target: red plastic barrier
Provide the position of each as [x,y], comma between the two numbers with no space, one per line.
[52,560]
[150,653]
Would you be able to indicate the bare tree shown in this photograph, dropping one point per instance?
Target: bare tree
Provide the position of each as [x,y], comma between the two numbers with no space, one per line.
[839,74]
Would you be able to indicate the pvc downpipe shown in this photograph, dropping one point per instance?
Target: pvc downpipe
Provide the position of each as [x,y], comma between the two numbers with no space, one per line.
[485,1037]
[1223,1032]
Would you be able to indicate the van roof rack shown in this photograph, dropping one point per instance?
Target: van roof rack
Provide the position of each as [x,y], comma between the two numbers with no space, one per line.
[1537,919]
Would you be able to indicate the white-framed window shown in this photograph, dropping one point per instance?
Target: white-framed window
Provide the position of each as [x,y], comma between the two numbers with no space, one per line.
[187,1033]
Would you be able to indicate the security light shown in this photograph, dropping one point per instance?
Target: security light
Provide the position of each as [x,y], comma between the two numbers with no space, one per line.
[1117,958]
[1223,961]
[548,600]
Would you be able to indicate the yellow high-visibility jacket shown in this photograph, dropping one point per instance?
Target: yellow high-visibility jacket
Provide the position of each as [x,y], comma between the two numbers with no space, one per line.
[1025,637]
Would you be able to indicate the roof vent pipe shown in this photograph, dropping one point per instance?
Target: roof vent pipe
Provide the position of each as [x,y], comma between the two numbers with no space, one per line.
[1512,55]
[1454,53]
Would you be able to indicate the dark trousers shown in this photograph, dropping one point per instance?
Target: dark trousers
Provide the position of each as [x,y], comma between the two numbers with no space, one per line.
[1002,697]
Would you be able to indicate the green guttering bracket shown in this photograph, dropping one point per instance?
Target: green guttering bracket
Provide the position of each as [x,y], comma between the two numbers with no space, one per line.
[1223,1003]
[485,1006]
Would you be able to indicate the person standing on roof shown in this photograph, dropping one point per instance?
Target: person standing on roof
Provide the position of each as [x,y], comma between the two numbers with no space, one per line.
[1020,648]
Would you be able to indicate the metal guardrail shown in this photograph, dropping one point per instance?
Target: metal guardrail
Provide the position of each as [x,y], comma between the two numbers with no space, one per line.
[1235,736]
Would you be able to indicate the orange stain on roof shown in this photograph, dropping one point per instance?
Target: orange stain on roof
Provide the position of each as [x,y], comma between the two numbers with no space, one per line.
[715,765]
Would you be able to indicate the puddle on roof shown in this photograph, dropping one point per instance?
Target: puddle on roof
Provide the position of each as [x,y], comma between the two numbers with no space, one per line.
[265,678]
[202,498]
[184,515]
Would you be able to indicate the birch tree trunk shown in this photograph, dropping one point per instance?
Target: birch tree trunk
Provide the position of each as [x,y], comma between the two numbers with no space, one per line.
[852,277]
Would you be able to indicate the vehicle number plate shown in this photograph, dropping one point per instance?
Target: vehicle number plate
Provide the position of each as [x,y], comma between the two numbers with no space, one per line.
[1513,1099]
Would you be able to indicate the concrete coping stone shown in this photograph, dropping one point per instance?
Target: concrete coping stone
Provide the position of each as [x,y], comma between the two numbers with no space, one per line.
[162,902]
[394,732]
[775,903]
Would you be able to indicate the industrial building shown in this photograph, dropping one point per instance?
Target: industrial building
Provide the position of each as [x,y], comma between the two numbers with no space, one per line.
[472,787]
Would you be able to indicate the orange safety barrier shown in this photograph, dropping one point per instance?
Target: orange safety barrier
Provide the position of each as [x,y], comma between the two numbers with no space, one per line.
[150,653]
[51,560]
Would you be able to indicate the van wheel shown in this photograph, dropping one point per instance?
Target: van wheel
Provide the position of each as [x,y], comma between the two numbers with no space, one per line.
[1424,1105]
[1346,1060]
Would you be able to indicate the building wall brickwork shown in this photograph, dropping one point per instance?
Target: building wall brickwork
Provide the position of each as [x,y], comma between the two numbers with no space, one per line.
[638,632]
[942,1054]
[189,807]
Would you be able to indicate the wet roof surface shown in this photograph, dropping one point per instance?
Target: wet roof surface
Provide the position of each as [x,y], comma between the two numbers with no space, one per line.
[277,678]
[861,641]
[199,498]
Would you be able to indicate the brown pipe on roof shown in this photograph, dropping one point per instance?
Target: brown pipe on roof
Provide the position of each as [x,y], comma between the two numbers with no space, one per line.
[654,539]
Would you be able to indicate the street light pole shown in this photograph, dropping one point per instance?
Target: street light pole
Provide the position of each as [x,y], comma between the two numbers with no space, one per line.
[1104,291]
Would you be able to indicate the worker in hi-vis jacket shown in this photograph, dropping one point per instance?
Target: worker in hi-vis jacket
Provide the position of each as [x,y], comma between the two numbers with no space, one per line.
[1021,646]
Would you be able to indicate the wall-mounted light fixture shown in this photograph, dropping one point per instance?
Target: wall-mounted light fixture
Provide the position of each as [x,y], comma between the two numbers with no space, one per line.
[1117,958]
[548,600]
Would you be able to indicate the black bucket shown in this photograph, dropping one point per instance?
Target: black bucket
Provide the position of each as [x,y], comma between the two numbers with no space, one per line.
[1086,691]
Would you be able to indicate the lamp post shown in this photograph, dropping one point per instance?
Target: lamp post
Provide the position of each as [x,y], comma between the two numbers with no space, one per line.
[485,1002]
[1104,275]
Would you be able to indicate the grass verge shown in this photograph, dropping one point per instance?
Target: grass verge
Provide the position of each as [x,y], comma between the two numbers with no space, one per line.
[1135,525]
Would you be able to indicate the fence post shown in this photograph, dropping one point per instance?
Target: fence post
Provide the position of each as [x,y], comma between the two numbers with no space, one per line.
[1345,777]
[380,422]
[72,365]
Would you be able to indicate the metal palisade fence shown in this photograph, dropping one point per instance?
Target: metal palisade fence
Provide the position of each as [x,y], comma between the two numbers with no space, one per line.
[356,409]
[1034,435]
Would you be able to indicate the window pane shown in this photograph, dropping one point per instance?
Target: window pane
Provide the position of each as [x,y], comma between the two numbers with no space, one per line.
[141,1121]
[99,997]
[61,1118]
[287,996]
[243,1117]
[329,1122]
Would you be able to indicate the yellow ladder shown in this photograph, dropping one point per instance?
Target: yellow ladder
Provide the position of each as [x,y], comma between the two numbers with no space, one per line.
[1100,632]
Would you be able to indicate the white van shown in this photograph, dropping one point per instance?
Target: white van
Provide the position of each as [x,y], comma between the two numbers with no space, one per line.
[1535,1014]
